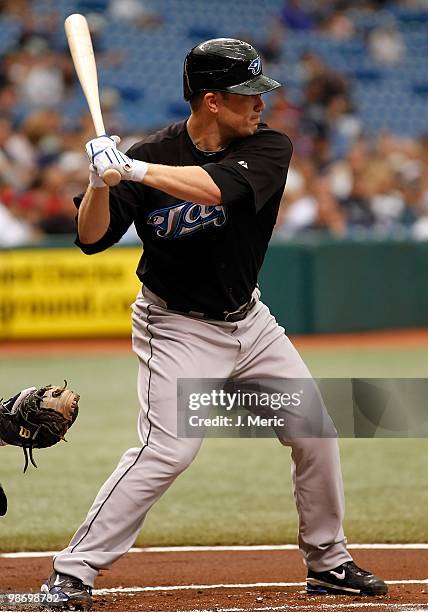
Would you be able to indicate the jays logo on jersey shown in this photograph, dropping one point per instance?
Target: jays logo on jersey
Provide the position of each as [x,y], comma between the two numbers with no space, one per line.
[185,218]
[256,66]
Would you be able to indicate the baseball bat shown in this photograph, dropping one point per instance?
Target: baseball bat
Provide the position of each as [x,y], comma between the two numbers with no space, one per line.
[82,53]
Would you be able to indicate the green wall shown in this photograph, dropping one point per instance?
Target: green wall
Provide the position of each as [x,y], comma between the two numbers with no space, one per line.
[321,285]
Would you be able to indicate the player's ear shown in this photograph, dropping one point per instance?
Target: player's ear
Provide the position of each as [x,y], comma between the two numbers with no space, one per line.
[211,101]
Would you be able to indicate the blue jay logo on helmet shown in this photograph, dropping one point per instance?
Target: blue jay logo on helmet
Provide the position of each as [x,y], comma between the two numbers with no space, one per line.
[185,218]
[256,66]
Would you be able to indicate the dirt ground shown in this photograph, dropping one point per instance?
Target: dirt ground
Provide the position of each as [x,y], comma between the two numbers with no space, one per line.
[243,571]
[87,346]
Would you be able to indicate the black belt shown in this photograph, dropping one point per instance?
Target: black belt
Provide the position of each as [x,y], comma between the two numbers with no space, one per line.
[236,315]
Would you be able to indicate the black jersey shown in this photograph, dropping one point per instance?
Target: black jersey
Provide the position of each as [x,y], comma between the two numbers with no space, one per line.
[197,257]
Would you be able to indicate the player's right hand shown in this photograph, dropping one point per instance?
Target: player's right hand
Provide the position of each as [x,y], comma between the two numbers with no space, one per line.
[97,145]
[113,159]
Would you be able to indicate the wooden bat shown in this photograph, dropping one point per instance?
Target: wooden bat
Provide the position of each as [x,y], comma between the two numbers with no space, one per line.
[82,52]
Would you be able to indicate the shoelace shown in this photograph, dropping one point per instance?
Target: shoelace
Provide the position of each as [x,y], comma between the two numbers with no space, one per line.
[28,454]
[28,449]
[352,565]
[74,583]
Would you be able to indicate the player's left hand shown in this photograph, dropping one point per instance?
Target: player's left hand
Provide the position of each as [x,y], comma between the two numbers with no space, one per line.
[112,158]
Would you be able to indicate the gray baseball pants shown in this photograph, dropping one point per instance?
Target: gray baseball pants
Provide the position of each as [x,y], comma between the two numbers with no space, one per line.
[171,346]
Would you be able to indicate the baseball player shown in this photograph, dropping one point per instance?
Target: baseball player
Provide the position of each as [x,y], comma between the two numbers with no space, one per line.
[204,195]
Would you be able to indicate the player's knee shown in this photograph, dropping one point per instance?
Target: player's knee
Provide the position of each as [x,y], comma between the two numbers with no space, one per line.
[179,460]
[185,459]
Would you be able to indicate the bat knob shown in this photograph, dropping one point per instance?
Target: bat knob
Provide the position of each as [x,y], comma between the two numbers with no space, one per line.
[112,177]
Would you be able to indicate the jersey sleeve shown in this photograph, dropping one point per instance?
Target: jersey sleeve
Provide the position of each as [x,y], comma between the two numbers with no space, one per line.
[123,201]
[256,167]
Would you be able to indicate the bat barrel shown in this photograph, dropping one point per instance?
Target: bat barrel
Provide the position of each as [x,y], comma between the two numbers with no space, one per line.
[82,53]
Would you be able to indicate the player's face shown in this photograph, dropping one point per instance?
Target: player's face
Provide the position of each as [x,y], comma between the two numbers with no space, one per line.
[238,115]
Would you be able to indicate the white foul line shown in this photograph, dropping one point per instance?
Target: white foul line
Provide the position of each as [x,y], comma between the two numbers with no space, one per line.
[195,587]
[261,547]
[204,587]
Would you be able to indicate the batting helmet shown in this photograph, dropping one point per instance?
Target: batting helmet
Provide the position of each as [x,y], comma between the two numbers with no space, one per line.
[225,64]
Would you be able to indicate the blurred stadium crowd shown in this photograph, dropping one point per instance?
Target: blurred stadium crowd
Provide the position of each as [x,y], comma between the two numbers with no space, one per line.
[354,104]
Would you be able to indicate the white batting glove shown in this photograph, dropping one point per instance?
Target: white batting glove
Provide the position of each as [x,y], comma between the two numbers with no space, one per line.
[97,145]
[112,158]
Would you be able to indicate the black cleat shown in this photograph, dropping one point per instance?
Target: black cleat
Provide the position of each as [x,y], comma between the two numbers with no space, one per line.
[347,579]
[67,592]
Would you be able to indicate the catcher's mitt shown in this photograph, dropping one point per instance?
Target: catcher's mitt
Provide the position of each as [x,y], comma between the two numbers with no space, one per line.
[38,418]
